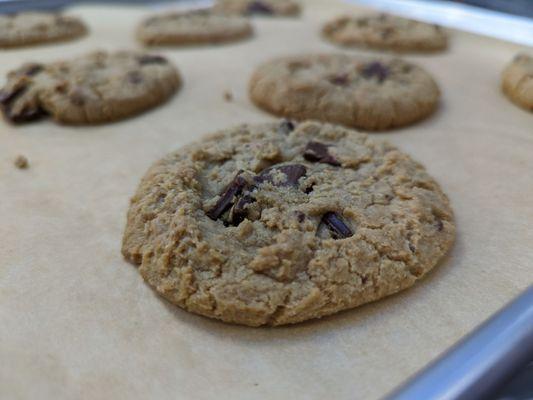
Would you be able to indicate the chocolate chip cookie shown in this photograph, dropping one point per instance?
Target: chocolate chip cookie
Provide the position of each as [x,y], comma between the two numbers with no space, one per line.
[278,223]
[286,8]
[98,87]
[30,28]
[517,81]
[193,27]
[387,32]
[349,90]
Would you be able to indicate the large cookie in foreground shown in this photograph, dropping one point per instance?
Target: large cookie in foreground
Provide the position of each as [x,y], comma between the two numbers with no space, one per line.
[517,81]
[29,28]
[386,32]
[274,224]
[360,92]
[192,27]
[95,88]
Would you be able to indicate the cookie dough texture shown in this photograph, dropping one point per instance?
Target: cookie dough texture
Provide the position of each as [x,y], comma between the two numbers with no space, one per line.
[385,32]
[354,91]
[193,27]
[517,81]
[282,263]
[31,28]
[94,88]
[284,8]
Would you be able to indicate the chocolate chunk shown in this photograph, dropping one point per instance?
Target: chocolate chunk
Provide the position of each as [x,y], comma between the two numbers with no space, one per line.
[336,225]
[293,173]
[286,126]
[258,7]
[412,248]
[27,114]
[151,59]
[8,97]
[318,152]
[309,189]
[440,225]
[375,69]
[339,80]
[238,212]
[32,69]
[62,87]
[301,216]
[134,77]
[228,197]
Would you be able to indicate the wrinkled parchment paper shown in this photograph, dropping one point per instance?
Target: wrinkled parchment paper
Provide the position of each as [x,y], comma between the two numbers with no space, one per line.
[77,321]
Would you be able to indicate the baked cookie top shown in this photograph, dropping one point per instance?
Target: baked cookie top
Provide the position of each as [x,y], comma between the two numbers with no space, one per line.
[287,8]
[97,87]
[383,31]
[38,27]
[192,27]
[369,93]
[279,223]
[517,81]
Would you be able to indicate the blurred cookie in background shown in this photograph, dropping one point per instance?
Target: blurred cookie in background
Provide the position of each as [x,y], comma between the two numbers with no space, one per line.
[31,28]
[193,27]
[285,8]
[517,81]
[385,32]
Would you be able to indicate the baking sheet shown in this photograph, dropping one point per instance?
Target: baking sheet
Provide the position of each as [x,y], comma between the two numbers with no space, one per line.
[77,321]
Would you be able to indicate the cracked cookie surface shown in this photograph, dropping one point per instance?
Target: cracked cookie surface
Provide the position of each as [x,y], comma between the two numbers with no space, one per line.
[286,8]
[354,91]
[95,88]
[278,223]
[517,81]
[30,28]
[193,27]
[385,32]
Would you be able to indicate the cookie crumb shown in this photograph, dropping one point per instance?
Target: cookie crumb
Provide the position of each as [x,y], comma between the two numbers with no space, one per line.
[228,96]
[21,162]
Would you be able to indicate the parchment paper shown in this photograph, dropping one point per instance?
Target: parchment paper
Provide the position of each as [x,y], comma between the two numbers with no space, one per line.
[77,321]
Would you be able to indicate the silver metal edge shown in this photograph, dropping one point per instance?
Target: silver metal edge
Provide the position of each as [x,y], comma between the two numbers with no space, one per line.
[480,363]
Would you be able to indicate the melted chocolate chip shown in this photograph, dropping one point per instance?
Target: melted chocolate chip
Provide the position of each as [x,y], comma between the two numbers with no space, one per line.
[318,152]
[412,248]
[151,59]
[239,212]
[301,216]
[286,126]
[309,189]
[440,225]
[258,7]
[228,196]
[293,173]
[375,69]
[336,225]
[339,80]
